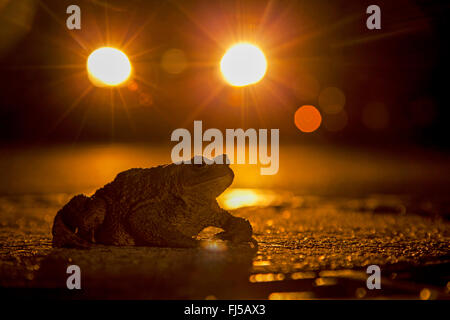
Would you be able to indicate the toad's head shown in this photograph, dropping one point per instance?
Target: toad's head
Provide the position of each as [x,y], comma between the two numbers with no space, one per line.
[204,177]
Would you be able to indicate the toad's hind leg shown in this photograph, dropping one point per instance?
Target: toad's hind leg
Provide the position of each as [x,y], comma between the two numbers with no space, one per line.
[64,237]
[76,222]
[149,228]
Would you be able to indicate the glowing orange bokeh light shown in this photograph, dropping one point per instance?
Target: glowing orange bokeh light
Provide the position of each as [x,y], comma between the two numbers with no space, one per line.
[307,119]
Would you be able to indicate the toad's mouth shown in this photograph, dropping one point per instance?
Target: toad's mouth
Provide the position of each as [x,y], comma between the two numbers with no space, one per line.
[216,180]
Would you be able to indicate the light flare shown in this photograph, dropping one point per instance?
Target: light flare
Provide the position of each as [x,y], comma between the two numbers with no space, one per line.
[243,64]
[240,197]
[108,66]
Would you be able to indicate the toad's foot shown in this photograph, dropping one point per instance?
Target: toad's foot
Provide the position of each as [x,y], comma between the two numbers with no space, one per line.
[237,230]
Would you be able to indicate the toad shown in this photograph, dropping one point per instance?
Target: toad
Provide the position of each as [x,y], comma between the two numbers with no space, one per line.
[164,206]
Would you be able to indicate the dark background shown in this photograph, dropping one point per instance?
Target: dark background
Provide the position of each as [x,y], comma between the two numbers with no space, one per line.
[404,66]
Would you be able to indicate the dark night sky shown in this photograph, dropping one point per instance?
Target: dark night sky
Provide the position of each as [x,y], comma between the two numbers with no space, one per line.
[404,66]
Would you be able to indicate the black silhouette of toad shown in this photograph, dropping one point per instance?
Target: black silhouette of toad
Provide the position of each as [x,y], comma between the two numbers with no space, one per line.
[164,206]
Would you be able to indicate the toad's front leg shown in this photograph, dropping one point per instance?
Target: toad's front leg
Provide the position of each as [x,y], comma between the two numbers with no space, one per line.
[235,229]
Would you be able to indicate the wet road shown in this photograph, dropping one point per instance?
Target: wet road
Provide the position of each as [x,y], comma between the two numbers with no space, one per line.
[309,247]
[319,223]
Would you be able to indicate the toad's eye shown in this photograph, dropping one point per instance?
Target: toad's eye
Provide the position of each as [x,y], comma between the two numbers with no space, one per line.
[199,165]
